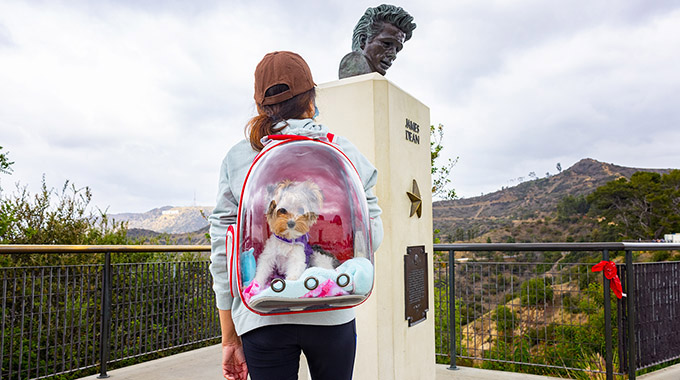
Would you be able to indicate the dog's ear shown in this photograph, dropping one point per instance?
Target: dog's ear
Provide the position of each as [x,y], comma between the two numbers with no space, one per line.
[271,189]
[314,195]
[271,208]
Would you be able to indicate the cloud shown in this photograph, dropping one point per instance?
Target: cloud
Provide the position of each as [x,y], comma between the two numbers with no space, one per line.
[140,100]
[573,96]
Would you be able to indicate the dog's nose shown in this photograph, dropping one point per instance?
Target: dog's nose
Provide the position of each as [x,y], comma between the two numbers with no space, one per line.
[291,223]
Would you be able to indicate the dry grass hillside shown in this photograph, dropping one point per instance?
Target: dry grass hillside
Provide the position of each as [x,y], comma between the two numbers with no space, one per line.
[470,218]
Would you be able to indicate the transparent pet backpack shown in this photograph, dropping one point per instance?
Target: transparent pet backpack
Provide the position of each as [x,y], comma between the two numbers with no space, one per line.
[303,239]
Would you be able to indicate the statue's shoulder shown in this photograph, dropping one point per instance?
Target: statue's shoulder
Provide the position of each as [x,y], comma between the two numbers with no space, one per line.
[353,64]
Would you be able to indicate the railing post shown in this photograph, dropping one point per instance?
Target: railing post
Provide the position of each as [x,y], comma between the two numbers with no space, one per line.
[452,308]
[607,322]
[630,294]
[104,338]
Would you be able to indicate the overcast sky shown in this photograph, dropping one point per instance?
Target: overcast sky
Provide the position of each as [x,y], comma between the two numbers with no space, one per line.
[140,99]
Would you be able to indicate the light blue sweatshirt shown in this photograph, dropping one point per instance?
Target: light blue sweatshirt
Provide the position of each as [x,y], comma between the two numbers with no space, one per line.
[232,175]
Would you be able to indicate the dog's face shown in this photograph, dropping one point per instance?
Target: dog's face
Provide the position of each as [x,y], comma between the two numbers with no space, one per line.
[294,208]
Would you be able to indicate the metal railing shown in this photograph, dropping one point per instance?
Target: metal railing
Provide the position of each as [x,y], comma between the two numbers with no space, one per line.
[59,319]
[515,312]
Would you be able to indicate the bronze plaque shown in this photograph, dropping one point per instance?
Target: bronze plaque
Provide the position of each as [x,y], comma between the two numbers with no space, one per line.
[415,284]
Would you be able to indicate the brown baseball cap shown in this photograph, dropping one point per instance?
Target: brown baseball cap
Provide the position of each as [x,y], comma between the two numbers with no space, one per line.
[282,67]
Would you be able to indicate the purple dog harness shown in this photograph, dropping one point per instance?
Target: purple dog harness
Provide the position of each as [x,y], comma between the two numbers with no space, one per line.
[302,240]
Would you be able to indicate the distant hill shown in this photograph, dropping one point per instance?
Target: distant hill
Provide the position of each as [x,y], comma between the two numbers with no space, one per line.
[168,219]
[526,201]
[185,238]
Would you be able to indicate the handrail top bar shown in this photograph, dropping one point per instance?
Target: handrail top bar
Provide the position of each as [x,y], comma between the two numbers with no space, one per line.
[31,248]
[612,246]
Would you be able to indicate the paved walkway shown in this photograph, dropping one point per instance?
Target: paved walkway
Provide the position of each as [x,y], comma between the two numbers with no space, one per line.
[204,364]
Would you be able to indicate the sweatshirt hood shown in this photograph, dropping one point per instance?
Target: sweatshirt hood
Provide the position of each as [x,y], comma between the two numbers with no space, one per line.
[301,127]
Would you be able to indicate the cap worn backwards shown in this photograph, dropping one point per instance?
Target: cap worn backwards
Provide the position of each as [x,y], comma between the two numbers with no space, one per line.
[282,67]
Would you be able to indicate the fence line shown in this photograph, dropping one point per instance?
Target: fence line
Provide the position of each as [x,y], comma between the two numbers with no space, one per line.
[65,318]
[523,315]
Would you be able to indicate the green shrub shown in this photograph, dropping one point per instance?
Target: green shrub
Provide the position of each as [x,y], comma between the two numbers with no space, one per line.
[536,291]
[505,319]
[542,334]
[661,256]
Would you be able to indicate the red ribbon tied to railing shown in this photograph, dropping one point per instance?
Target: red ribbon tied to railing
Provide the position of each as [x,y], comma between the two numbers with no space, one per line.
[609,268]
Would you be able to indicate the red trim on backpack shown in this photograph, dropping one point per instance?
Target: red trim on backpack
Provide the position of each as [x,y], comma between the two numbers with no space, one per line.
[230,255]
[288,137]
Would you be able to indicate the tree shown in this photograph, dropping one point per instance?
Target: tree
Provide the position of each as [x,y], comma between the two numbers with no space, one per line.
[571,205]
[5,163]
[440,174]
[645,207]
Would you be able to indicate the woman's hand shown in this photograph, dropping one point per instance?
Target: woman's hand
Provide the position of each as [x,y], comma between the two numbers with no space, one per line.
[233,360]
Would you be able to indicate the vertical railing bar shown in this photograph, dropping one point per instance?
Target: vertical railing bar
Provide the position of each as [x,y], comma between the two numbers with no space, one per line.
[80,363]
[172,305]
[132,313]
[141,306]
[49,322]
[178,316]
[178,305]
[40,316]
[118,331]
[442,293]
[143,302]
[620,319]
[63,333]
[186,332]
[452,308]
[11,325]
[194,304]
[138,311]
[30,329]
[196,289]
[546,282]
[204,322]
[144,291]
[631,314]
[165,299]
[118,342]
[467,309]
[173,318]
[92,299]
[21,328]
[4,317]
[147,305]
[186,299]
[105,333]
[157,313]
[607,322]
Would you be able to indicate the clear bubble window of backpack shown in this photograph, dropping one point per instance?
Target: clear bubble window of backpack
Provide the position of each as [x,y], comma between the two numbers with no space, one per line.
[303,236]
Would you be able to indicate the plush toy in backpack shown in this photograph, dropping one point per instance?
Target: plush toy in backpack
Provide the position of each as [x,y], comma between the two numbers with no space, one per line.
[293,209]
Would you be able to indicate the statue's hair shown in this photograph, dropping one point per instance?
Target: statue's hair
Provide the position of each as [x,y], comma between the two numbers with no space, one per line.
[370,24]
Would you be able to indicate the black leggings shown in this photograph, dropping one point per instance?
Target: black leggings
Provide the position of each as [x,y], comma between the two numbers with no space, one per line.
[273,352]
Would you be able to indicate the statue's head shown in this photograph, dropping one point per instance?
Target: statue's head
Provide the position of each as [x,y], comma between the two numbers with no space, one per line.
[381,33]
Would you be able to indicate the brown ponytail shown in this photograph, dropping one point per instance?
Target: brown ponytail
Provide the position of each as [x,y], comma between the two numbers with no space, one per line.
[269,115]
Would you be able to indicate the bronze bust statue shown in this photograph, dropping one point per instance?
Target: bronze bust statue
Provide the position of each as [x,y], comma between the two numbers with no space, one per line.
[378,37]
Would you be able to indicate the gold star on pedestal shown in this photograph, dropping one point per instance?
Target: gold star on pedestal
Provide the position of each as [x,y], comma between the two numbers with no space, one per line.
[416,202]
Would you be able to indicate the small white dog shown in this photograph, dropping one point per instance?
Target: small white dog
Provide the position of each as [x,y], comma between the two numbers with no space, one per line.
[293,209]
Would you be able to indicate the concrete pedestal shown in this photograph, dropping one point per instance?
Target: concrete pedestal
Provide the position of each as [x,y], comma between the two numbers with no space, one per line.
[392,129]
